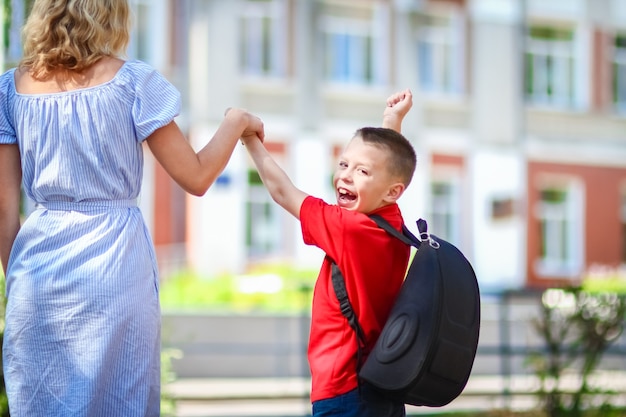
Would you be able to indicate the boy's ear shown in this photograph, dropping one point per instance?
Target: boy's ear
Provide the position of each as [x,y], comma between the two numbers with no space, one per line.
[394,192]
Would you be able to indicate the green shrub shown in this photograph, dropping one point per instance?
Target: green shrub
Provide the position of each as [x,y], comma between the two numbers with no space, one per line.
[267,288]
[577,326]
[168,402]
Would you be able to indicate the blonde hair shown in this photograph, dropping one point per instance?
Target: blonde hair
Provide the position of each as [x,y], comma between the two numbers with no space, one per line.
[72,35]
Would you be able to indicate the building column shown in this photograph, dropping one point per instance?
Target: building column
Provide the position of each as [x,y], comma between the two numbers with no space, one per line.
[497,164]
[308,148]
[413,202]
[215,221]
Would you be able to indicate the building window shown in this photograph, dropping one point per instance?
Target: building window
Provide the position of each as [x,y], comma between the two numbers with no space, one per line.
[623,220]
[180,15]
[444,214]
[561,229]
[550,66]
[354,43]
[440,53]
[619,73]
[139,47]
[264,38]
[263,228]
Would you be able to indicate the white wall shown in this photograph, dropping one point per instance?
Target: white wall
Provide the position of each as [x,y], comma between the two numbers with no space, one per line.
[312,168]
[499,244]
[216,221]
[496,163]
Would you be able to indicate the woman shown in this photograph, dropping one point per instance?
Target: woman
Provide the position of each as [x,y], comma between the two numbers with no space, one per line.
[82,334]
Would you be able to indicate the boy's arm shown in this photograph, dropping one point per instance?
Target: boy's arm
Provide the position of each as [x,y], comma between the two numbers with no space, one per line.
[275,179]
[398,105]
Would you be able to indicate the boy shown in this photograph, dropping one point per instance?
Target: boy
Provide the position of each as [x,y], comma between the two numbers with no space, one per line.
[372,173]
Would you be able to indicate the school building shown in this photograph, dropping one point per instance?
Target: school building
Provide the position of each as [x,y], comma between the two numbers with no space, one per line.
[519,122]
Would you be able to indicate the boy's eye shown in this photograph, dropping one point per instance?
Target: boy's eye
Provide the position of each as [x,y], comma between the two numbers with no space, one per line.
[343,164]
[363,171]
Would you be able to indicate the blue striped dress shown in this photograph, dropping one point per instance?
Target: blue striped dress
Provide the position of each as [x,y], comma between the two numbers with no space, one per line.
[82,334]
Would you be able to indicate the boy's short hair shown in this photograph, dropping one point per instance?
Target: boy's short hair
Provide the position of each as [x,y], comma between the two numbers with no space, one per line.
[402,158]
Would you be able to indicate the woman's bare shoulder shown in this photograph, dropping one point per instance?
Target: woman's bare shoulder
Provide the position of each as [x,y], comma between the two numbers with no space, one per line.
[59,81]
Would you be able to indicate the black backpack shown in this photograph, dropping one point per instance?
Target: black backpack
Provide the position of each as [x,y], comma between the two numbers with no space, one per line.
[426,349]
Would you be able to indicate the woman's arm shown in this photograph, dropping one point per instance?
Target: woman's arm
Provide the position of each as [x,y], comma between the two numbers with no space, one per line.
[194,171]
[10,197]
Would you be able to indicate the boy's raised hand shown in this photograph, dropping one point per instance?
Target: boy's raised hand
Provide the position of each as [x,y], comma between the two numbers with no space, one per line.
[398,105]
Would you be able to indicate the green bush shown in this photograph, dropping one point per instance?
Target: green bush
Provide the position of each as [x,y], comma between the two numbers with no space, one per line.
[267,288]
[577,326]
[168,402]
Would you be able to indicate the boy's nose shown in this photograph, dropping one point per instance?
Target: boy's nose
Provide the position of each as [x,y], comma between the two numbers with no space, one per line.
[346,175]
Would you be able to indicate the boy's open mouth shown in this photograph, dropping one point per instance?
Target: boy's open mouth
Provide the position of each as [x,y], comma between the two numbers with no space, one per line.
[345,196]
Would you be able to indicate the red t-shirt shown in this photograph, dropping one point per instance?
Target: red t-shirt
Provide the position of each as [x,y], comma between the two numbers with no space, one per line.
[373,264]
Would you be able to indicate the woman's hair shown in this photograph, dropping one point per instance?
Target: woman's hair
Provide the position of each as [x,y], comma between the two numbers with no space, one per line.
[402,158]
[72,35]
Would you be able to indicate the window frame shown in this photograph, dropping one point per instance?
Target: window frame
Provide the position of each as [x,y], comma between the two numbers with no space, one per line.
[561,254]
[139,46]
[263,49]
[618,71]
[541,83]
[446,206]
[263,235]
[622,217]
[447,48]
[341,28]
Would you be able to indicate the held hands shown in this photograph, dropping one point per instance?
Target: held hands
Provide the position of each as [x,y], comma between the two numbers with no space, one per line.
[253,129]
[398,105]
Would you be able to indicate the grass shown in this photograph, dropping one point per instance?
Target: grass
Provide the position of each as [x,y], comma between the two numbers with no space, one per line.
[266,289]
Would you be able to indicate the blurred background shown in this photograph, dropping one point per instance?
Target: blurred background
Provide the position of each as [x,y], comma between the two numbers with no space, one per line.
[519,123]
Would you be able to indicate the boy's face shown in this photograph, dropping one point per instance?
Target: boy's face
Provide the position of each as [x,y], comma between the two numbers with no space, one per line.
[362,181]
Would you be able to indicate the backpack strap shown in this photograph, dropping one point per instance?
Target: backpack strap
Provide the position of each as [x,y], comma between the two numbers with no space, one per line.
[406,236]
[339,283]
